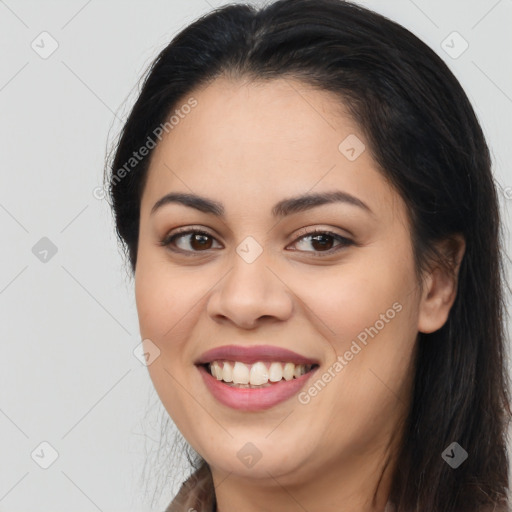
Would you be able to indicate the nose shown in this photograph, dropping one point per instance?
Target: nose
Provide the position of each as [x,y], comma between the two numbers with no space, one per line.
[249,294]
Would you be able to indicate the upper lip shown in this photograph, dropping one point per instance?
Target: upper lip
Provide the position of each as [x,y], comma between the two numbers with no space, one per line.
[253,354]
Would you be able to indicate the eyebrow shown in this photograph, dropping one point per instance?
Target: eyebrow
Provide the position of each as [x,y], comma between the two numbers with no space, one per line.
[281,209]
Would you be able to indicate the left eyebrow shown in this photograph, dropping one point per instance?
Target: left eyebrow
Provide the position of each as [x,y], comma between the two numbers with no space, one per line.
[308,201]
[281,209]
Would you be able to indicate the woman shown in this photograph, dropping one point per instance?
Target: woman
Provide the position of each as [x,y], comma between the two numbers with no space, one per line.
[306,200]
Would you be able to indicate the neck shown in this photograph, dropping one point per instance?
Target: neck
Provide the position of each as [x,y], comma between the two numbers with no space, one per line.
[359,484]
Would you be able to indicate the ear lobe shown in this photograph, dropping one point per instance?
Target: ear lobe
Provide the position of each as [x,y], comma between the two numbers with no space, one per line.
[440,285]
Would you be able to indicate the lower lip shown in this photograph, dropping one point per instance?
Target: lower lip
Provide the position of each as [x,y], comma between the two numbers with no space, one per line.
[254,399]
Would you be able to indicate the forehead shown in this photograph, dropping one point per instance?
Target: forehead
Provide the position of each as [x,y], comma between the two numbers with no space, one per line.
[261,141]
[280,120]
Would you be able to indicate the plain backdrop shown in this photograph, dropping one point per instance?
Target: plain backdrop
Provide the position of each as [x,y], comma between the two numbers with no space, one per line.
[73,396]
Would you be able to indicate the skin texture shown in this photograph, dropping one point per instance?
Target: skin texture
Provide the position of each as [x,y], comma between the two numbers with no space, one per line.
[249,145]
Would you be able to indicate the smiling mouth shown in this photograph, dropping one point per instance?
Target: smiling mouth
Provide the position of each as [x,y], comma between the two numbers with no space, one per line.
[257,375]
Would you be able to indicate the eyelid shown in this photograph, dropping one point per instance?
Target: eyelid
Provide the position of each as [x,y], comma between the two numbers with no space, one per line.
[345,241]
[188,230]
[303,233]
[307,231]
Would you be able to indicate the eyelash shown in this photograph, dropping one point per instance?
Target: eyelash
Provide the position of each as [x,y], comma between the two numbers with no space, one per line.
[344,242]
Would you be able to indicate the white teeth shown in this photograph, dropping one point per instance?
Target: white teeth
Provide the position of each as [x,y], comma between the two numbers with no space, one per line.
[240,373]
[258,374]
[275,373]
[227,372]
[288,371]
[216,370]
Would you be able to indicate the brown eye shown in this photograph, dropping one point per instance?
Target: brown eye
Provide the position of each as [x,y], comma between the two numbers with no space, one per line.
[189,241]
[199,241]
[194,241]
[323,241]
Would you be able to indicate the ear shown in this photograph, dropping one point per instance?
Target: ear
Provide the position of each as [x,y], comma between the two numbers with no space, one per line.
[440,286]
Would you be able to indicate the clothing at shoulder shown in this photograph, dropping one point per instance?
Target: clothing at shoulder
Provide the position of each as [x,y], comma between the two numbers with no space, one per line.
[196,493]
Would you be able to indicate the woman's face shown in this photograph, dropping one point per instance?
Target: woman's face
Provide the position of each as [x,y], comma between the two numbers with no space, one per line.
[258,282]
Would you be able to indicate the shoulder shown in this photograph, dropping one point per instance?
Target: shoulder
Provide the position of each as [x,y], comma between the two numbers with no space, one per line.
[196,493]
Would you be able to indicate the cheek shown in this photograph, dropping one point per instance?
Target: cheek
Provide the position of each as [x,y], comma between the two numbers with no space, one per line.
[358,296]
[379,374]
[162,297]
[153,303]
[169,301]
[165,310]
[367,312]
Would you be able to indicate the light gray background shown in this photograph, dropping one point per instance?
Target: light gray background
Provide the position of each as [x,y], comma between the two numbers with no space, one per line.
[68,375]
